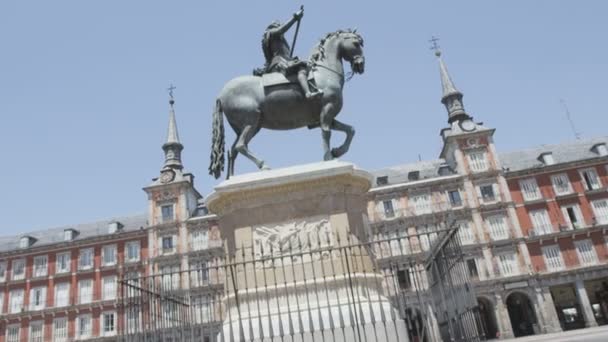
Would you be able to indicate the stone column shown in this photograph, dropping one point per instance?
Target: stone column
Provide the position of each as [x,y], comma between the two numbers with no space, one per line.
[502,318]
[583,299]
[548,310]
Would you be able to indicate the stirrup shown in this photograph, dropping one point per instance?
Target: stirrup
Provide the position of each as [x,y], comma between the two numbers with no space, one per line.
[314,95]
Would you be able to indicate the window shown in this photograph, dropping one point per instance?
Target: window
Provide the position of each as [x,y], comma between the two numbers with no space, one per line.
[83,326]
[498,227]
[586,252]
[133,321]
[600,149]
[553,258]
[487,193]
[37,298]
[68,234]
[18,269]
[60,329]
[382,180]
[16,301]
[12,333]
[25,242]
[167,213]
[132,251]
[168,244]
[108,323]
[133,280]
[413,176]
[109,288]
[389,211]
[529,189]
[62,294]
[403,279]
[541,222]
[547,158]
[2,271]
[114,227]
[199,239]
[201,306]
[572,215]
[421,204]
[40,266]
[427,235]
[590,179]
[85,261]
[472,267]
[170,277]
[85,291]
[600,210]
[455,199]
[36,331]
[108,255]
[508,264]
[477,161]
[465,233]
[199,274]
[62,264]
[561,184]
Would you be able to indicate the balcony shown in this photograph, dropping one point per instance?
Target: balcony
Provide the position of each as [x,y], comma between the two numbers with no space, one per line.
[421,210]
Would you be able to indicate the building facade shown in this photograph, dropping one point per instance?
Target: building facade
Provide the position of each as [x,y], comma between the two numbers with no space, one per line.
[533,225]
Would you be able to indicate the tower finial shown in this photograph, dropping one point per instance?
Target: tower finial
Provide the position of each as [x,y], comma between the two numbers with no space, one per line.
[451,97]
[172,146]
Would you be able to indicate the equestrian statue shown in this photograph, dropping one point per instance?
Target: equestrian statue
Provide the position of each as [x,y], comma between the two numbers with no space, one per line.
[287,93]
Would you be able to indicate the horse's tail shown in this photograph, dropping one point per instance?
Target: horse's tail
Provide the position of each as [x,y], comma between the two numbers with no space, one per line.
[216,166]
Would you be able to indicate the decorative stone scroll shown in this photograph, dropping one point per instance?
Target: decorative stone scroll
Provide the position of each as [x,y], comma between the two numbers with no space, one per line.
[300,239]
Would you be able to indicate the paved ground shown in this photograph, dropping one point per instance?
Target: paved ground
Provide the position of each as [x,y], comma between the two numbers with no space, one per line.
[598,334]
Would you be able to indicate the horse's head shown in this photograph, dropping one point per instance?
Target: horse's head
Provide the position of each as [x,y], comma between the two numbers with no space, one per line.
[351,49]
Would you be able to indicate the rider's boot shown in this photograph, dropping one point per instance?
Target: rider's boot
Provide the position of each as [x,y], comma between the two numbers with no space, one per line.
[303,79]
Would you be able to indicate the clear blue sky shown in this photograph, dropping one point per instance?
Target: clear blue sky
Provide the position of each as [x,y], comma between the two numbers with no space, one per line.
[84,107]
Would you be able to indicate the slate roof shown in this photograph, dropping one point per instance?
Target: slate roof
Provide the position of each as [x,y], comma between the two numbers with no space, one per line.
[562,153]
[399,174]
[85,231]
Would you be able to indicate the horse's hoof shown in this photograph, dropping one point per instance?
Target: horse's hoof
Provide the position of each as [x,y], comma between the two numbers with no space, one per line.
[265,167]
[328,156]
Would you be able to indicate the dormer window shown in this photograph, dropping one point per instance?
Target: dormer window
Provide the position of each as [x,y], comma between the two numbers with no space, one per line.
[114,227]
[69,234]
[600,149]
[547,158]
[413,175]
[26,241]
[382,180]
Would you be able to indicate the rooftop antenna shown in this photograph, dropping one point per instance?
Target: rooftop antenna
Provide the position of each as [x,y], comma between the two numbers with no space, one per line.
[577,135]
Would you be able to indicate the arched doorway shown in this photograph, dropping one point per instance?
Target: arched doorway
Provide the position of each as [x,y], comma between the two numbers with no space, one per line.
[521,313]
[488,319]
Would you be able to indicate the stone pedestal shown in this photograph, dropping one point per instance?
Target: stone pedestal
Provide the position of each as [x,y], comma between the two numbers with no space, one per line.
[299,269]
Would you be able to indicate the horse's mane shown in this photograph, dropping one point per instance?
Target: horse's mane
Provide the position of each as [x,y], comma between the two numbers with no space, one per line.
[318,52]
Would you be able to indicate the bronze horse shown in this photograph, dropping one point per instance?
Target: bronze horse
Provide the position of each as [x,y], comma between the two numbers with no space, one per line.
[248,106]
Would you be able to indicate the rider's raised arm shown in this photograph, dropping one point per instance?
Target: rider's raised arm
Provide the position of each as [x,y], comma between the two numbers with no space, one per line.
[285,27]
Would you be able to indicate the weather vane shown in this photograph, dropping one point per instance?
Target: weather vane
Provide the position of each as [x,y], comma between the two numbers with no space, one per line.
[434,46]
[170,89]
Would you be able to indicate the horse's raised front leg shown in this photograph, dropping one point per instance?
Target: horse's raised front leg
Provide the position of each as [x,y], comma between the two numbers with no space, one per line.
[349,131]
[326,120]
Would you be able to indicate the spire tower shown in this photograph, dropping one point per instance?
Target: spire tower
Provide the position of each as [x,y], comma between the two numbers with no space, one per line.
[451,96]
[172,147]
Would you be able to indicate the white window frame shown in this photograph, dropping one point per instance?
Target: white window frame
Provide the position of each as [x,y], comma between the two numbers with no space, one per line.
[87,333]
[541,222]
[554,260]
[600,210]
[13,306]
[128,247]
[478,161]
[11,328]
[108,287]
[91,256]
[109,250]
[577,213]
[169,218]
[495,193]
[388,208]
[59,256]
[167,251]
[498,233]
[561,184]
[65,298]
[466,233]
[85,297]
[594,179]
[41,271]
[585,250]
[455,205]
[102,323]
[60,329]
[39,338]
[42,291]
[529,189]
[3,266]
[21,275]
[421,203]
[199,239]
[513,268]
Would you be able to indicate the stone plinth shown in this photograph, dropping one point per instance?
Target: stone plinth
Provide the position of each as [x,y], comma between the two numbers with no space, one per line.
[299,268]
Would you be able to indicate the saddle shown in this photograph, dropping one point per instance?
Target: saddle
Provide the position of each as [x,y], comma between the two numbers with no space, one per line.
[273,79]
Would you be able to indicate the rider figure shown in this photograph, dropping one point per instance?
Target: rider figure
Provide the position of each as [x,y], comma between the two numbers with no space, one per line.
[278,55]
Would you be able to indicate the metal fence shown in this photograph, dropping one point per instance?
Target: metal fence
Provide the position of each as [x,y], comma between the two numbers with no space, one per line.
[321,289]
